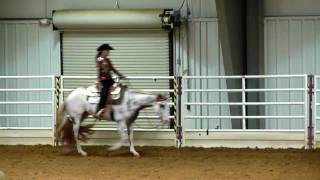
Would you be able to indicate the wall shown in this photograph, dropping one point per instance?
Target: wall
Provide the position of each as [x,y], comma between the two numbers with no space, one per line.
[291,7]
[27,49]
[200,54]
[291,30]
[26,44]
[205,59]
[292,46]
[44,8]
[23,9]
[202,8]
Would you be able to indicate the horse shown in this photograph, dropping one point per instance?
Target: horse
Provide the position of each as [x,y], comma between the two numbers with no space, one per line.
[76,108]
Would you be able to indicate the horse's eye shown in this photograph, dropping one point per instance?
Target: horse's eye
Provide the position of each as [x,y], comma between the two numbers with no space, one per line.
[162,106]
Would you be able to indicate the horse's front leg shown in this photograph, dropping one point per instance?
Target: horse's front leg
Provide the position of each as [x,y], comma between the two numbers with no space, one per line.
[130,134]
[76,127]
[123,136]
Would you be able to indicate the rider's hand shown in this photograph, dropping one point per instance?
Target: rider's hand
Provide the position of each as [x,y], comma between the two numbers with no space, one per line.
[99,86]
[122,77]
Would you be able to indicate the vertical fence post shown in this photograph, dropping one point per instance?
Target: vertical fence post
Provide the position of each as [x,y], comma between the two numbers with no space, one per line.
[243,82]
[57,91]
[311,119]
[178,113]
[61,88]
[56,94]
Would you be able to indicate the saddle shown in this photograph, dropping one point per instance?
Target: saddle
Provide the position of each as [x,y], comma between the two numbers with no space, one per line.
[116,93]
[115,96]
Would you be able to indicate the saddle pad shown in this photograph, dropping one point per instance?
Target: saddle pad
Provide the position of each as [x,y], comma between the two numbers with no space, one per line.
[93,99]
[92,91]
[117,98]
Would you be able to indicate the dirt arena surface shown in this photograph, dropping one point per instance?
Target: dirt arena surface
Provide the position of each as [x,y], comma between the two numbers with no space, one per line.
[46,162]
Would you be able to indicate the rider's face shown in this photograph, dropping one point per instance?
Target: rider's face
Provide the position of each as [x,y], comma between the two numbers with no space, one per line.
[105,53]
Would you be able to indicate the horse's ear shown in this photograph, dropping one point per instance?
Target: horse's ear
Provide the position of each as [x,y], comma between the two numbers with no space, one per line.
[160,97]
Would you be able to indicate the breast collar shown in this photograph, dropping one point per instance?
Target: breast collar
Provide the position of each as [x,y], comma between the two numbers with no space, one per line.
[100,59]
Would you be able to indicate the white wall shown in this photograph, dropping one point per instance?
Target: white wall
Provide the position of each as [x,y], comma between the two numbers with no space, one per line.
[22,9]
[202,8]
[205,59]
[292,7]
[27,49]
[44,8]
[292,46]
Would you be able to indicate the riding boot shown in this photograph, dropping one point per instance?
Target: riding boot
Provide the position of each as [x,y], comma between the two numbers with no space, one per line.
[104,113]
[108,108]
[107,112]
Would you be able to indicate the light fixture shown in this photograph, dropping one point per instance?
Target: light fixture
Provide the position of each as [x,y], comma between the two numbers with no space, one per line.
[45,22]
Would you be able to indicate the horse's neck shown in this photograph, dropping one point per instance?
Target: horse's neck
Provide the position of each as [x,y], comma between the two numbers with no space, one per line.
[141,100]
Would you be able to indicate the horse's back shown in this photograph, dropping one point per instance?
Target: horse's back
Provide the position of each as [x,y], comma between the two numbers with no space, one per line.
[77,93]
[77,100]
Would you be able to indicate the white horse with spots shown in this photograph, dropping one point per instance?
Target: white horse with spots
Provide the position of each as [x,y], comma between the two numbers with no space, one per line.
[77,107]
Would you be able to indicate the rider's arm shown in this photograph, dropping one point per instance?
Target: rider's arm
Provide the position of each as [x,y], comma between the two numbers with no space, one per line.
[98,84]
[115,71]
[98,66]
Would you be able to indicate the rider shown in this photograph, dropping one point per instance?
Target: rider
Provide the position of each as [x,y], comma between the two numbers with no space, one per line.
[104,67]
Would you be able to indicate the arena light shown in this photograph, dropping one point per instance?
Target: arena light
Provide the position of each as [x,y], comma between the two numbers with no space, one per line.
[45,22]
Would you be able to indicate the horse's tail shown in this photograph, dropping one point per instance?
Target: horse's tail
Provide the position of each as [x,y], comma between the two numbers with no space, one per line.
[64,128]
[60,116]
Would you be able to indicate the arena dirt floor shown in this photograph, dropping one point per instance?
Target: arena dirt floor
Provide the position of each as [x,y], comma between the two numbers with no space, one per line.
[46,162]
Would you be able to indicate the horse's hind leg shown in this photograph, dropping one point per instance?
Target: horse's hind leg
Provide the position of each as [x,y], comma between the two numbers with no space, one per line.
[130,134]
[123,136]
[76,127]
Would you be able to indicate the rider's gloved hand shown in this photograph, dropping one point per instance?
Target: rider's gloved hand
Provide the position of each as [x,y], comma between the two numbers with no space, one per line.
[122,77]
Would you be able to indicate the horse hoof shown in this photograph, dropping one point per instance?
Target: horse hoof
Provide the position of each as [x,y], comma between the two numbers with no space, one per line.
[136,154]
[83,153]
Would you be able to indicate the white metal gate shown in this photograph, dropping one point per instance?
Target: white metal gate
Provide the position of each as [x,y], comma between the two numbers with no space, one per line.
[28,109]
[242,137]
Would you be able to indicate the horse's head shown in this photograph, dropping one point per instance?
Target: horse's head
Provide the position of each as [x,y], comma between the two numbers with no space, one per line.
[161,108]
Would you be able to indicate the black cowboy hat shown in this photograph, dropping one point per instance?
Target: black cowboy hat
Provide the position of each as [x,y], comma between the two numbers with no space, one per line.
[104,47]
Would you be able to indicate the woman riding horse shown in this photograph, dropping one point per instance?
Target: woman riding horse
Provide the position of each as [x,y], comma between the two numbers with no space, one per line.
[104,67]
[76,108]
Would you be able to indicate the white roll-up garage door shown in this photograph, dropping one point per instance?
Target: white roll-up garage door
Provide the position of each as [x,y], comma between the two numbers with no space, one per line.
[137,53]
